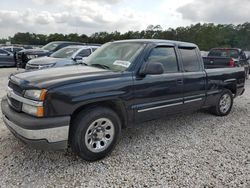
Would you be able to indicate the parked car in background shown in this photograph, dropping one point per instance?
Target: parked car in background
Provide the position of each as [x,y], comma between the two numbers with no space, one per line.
[248,56]
[12,49]
[123,83]
[70,55]
[6,59]
[227,57]
[24,56]
[204,53]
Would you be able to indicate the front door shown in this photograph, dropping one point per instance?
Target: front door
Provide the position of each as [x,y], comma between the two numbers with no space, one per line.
[159,95]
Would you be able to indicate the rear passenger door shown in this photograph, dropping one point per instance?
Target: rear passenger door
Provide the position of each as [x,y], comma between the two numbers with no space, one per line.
[159,95]
[194,78]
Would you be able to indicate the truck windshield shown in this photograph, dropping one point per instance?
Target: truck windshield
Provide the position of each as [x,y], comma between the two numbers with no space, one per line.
[50,46]
[64,53]
[115,56]
[232,53]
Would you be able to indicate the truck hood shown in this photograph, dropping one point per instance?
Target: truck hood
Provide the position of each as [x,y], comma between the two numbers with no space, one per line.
[46,60]
[55,77]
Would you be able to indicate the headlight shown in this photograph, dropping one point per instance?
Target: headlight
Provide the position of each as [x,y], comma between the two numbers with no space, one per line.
[34,105]
[37,111]
[46,66]
[32,56]
[38,95]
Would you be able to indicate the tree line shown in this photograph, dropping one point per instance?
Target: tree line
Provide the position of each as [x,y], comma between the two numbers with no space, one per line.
[206,36]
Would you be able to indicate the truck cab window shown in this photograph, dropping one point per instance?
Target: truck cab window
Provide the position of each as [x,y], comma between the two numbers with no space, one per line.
[190,60]
[166,56]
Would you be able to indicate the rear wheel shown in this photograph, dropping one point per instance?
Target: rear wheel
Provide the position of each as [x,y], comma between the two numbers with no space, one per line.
[94,133]
[224,104]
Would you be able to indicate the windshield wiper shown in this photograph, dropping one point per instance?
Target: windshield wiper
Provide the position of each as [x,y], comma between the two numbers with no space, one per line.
[101,66]
[82,63]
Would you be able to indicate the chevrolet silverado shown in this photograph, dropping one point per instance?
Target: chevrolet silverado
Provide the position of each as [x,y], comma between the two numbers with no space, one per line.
[121,84]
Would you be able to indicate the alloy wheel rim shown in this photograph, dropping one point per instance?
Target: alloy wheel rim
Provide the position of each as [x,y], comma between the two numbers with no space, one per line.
[99,135]
[225,103]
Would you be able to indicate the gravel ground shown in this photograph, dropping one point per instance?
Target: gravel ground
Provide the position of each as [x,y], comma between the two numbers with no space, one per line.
[194,150]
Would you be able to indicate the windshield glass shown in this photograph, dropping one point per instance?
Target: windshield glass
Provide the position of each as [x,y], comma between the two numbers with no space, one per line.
[64,52]
[51,46]
[115,56]
[224,53]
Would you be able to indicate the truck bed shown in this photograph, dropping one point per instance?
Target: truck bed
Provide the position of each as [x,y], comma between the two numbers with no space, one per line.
[220,76]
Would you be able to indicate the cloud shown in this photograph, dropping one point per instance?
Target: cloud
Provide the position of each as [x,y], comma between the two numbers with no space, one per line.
[230,11]
[83,16]
[47,2]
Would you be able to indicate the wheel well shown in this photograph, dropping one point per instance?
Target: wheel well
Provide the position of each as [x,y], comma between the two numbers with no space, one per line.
[232,88]
[116,106]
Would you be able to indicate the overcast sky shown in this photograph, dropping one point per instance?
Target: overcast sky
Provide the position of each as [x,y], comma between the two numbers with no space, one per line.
[89,16]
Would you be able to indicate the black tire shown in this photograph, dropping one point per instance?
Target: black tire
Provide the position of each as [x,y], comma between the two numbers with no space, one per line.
[247,74]
[81,125]
[217,110]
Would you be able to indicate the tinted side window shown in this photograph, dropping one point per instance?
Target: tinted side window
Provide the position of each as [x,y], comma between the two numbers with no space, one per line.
[84,53]
[166,56]
[17,49]
[3,52]
[190,60]
[8,49]
[94,49]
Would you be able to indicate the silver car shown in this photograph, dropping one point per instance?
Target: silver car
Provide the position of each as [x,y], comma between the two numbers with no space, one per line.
[69,55]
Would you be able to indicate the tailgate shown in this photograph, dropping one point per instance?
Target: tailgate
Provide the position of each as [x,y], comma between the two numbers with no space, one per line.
[216,62]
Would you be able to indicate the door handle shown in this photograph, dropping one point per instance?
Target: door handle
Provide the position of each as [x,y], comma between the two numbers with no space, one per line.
[179,82]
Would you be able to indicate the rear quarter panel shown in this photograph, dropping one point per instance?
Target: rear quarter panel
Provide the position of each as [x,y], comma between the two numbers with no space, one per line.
[224,78]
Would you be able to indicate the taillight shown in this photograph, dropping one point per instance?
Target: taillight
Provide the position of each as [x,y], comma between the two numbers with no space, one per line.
[232,63]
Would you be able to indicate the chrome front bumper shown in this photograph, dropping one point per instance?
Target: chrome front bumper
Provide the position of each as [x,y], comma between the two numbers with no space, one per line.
[41,133]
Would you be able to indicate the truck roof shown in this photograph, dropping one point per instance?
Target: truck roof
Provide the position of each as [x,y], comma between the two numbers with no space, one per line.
[170,42]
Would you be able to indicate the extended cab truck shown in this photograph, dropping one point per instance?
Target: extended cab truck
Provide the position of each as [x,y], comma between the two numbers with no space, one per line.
[227,57]
[121,84]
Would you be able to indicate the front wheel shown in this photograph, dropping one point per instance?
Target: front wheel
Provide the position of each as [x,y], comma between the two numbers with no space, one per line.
[224,104]
[94,133]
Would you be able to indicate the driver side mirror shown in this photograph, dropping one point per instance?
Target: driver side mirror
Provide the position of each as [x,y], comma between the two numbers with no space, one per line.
[152,68]
[77,58]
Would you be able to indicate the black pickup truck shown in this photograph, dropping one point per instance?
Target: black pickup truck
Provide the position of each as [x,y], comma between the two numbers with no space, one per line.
[122,83]
[227,57]
[23,56]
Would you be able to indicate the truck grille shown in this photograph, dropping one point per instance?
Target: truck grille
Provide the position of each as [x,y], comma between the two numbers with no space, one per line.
[16,88]
[16,105]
